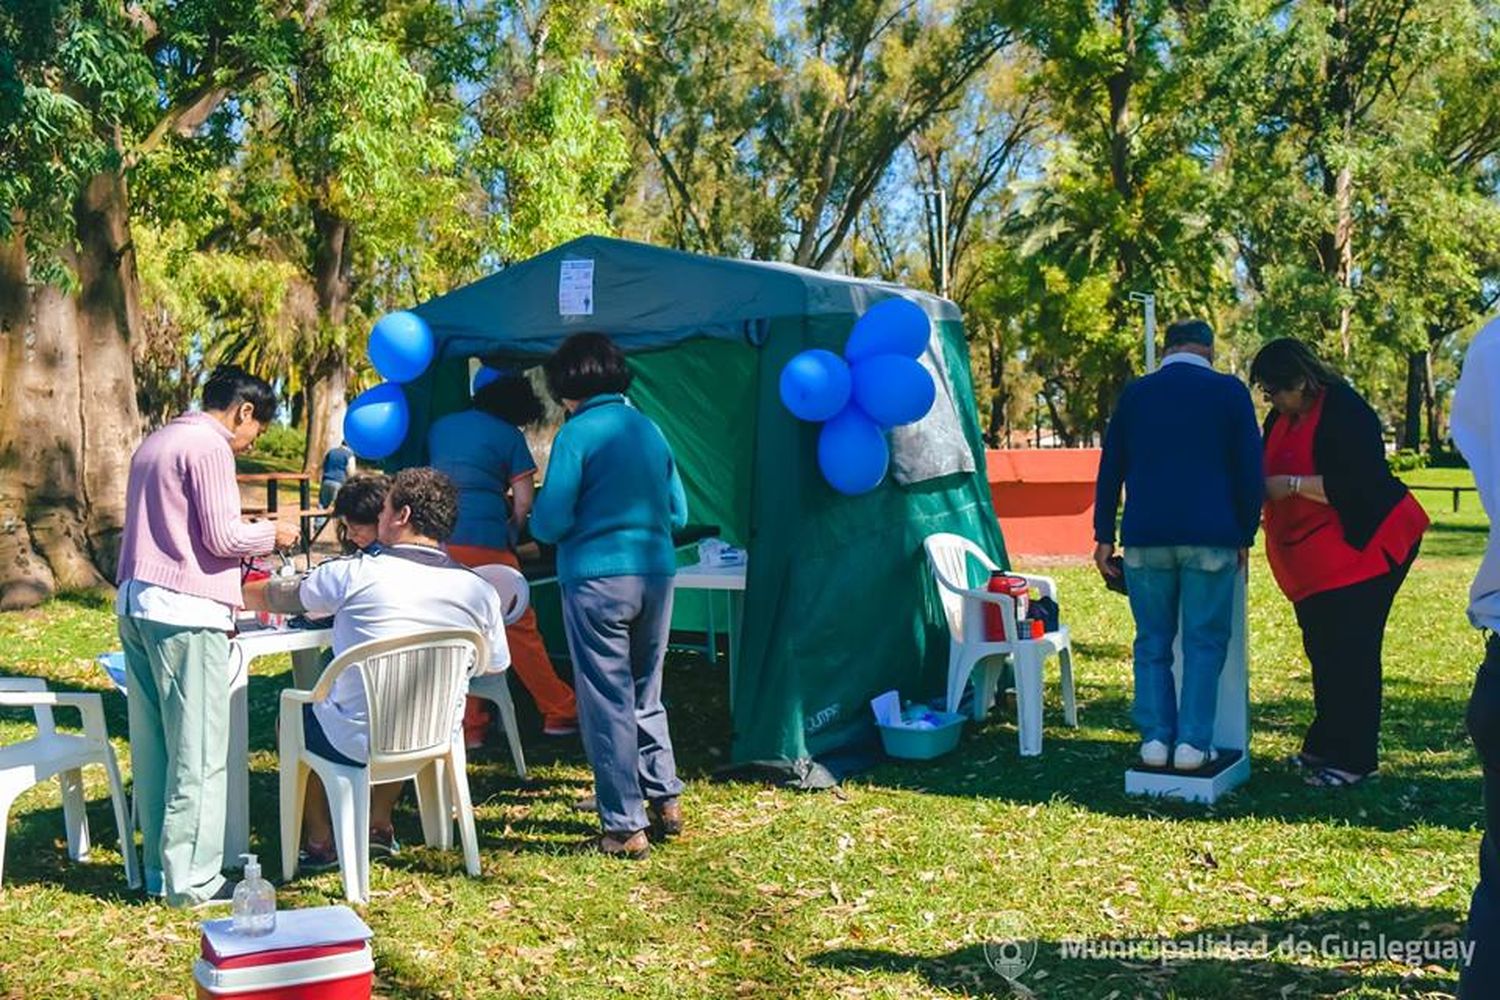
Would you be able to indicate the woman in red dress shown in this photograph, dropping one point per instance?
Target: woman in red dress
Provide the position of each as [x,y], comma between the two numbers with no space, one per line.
[1341,534]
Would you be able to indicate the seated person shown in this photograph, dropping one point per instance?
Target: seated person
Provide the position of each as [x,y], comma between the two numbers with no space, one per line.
[409,586]
[357,508]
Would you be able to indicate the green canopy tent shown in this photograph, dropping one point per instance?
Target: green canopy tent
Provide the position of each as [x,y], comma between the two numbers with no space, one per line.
[839,605]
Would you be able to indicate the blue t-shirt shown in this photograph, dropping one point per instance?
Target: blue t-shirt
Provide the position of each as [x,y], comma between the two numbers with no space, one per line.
[483,455]
[336,464]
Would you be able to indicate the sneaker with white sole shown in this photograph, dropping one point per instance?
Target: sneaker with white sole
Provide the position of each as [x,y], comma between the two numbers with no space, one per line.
[1189,758]
[223,897]
[1154,753]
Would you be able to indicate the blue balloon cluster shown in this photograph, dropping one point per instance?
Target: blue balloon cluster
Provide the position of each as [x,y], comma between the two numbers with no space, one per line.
[877,384]
[401,348]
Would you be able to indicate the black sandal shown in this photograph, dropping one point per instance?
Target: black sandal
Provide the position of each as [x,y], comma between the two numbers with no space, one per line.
[1329,777]
[1305,761]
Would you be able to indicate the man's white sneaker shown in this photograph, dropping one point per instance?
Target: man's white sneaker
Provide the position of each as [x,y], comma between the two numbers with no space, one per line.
[1189,758]
[1154,753]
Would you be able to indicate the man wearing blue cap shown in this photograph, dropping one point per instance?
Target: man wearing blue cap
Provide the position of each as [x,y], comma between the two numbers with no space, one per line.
[1184,443]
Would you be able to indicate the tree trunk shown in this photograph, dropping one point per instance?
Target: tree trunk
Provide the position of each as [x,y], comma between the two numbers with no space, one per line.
[1416,379]
[330,379]
[1434,411]
[298,409]
[999,398]
[1336,245]
[68,417]
[325,416]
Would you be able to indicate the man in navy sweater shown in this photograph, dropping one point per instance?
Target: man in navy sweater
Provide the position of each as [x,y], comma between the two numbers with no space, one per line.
[1184,443]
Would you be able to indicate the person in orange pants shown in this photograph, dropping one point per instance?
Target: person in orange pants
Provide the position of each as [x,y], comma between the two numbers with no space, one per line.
[483,450]
[528,658]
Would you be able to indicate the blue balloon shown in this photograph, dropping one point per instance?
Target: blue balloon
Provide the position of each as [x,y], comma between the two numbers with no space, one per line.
[893,389]
[401,346]
[852,453]
[815,385]
[376,422]
[892,326]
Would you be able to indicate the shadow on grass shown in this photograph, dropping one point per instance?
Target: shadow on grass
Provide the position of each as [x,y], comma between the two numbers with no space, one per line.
[1448,540]
[37,853]
[1201,964]
[1089,773]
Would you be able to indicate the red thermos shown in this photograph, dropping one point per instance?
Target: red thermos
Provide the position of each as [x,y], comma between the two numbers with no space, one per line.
[1004,583]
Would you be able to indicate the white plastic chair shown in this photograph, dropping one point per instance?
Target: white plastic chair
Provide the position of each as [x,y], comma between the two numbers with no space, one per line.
[948,555]
[413,685]
[32,761]
[515,598]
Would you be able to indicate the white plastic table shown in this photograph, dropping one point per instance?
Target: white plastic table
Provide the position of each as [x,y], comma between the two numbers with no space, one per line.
[726,578]
[244,649]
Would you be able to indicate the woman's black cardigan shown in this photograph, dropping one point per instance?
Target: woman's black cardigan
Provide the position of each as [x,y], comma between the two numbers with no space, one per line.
[1349,453]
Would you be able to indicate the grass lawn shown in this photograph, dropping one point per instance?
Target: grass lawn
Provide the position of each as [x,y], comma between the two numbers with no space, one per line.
[886,888]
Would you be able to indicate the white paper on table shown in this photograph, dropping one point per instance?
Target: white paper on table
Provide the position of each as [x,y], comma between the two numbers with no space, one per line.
[887,709]
[575,288]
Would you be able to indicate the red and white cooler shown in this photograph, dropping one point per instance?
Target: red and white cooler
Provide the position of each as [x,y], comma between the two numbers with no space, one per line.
[321,953]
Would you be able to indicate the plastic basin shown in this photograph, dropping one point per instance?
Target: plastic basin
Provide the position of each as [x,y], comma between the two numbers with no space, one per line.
[923,744]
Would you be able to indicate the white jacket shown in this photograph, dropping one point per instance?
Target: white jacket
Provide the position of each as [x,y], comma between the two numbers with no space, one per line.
[1476,431]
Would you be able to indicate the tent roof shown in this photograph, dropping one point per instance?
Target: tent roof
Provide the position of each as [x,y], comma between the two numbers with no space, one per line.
[644,296]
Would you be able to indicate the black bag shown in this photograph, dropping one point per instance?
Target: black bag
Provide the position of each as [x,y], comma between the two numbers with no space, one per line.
[1046,611]
[1116,583]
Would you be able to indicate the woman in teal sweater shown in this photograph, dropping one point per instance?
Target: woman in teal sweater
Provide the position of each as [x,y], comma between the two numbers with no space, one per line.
[610,502]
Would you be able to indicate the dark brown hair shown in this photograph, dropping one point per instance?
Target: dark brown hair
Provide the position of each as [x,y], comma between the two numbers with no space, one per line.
[512,399]
[432,497]
[359,500]
[1287,362]
[586,365]
[231,385]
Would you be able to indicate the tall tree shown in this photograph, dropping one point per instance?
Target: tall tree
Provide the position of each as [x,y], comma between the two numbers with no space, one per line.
[552,143]
[1125,205]
[345,196]
[1341,84]
[86,90]
[771,128]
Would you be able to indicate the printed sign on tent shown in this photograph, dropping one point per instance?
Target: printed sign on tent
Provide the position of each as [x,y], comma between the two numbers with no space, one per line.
[575,288]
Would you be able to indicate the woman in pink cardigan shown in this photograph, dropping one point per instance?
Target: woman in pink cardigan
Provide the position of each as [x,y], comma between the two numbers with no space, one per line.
[179,581]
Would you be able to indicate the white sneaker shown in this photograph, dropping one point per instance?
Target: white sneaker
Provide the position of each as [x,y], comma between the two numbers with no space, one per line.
[1189,758]
[1154,753]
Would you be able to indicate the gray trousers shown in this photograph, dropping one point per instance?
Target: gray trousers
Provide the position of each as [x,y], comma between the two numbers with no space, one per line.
[617,634]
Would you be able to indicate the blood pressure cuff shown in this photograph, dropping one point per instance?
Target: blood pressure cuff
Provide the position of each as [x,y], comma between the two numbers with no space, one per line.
[284,595]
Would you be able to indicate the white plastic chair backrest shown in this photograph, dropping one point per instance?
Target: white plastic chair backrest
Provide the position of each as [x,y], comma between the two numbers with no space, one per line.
[514,591]
[413,686]
[949,556]
[44,726]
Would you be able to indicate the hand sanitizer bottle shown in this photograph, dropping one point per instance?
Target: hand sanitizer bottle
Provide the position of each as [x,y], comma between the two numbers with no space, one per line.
[254,901]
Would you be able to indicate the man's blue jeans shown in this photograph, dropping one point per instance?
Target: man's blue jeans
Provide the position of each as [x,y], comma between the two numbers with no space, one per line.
[1193,584]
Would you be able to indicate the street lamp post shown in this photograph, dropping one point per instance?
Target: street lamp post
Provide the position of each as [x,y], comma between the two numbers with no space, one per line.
[1150,301]
[941,196]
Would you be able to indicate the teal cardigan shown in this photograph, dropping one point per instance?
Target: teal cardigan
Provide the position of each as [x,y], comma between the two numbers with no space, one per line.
[612,495]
